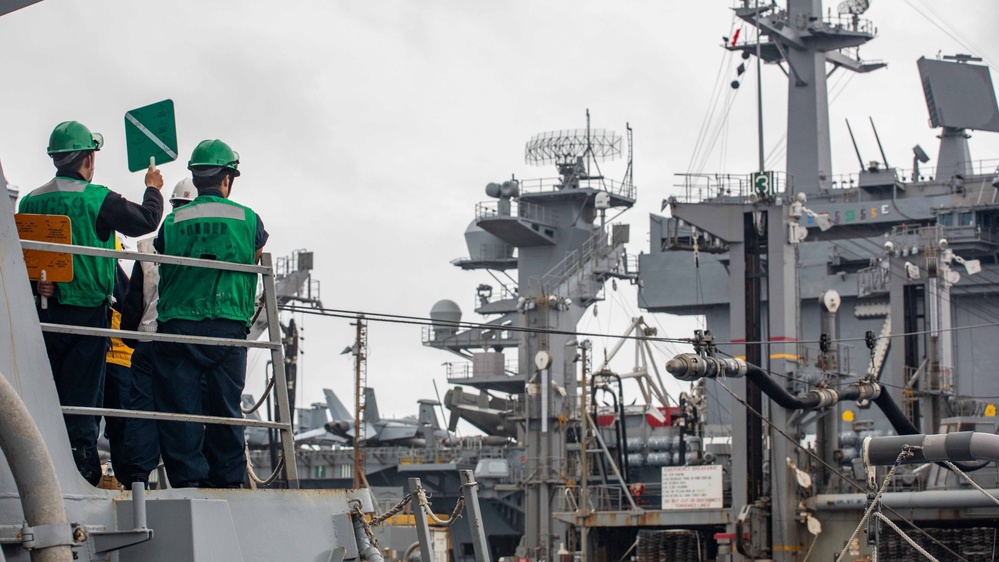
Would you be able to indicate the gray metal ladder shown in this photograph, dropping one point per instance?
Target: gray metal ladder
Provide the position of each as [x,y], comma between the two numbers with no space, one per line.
[273,343]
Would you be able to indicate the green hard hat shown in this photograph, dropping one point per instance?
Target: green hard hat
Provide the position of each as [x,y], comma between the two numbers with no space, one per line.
[215,154]
[71,136]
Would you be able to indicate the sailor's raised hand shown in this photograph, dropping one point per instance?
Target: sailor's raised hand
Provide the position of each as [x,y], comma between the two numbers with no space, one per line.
[154,178]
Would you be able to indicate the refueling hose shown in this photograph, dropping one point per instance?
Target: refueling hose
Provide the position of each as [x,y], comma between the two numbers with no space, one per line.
[691,367]
[34,475]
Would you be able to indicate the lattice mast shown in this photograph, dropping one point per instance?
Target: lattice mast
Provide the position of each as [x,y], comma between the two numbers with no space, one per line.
[360,383]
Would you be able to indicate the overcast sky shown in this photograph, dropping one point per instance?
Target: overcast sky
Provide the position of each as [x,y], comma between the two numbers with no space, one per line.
[368,130]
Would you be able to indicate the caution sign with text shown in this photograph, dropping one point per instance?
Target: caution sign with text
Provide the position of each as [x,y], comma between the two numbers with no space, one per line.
[58,266]
[151,135]
[692,487]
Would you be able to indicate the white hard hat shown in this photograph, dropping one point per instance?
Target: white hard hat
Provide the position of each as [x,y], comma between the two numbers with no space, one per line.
[185,191]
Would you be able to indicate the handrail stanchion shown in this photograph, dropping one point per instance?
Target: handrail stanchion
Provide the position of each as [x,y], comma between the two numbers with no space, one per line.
[280,382]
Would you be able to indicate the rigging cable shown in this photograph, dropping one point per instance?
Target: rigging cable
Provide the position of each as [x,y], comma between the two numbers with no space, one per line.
[715,93]
[779,149]
[951,32]
[423,321]
[896,270]
[729,103]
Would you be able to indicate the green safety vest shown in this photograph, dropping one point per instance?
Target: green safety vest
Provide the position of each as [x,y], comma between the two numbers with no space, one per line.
[93,277]
[213,228]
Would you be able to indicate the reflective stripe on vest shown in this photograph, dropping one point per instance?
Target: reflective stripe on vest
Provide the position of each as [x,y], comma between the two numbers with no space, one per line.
[209,227]
[208,211]
[93,277]
[61,184]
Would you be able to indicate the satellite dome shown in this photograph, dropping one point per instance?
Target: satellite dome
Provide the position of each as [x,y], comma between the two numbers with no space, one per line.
[445,311]
[483,245]
[444,316]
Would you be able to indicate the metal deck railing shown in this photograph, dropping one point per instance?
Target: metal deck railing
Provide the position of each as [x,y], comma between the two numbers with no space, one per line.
[548,185]
[280,382]
[514,208]
[725,188]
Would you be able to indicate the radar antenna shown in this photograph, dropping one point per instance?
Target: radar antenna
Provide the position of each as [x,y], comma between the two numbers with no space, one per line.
[567,147]
[573,151]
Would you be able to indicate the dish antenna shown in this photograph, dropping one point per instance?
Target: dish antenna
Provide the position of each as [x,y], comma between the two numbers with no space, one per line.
[854,7]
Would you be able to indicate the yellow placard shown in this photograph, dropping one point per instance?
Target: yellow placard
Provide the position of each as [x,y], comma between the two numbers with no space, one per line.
[990,411]
[58,266]
[848,415]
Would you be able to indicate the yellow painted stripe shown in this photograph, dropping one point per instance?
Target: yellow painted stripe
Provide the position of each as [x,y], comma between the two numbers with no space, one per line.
[788,356]
[787,548]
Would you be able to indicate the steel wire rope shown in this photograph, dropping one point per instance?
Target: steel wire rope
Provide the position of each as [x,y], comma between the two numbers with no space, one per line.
[904,536]
[957,304]
[729,103]
[779,149]
[669,349]
[903,334]
[896,271]
[420,321]
[712,105]
[832,469]
[634,314]
[626,305]
[952,32]
[423,321]
[708,121]
[300,367]
[969,480]
[723,148]
[610,320]
[992,277]
[874,502]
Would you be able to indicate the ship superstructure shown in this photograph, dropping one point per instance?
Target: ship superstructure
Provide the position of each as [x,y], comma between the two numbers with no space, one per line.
[564,255]
[886,276]
[553,232]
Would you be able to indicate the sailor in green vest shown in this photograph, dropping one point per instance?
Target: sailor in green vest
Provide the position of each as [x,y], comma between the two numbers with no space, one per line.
[205,379]
[142,442]
[95,213]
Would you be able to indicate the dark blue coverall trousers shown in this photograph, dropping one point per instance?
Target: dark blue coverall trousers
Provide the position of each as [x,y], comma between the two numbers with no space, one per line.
[142,444]
[117,386]
[78,364]
[205,380]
